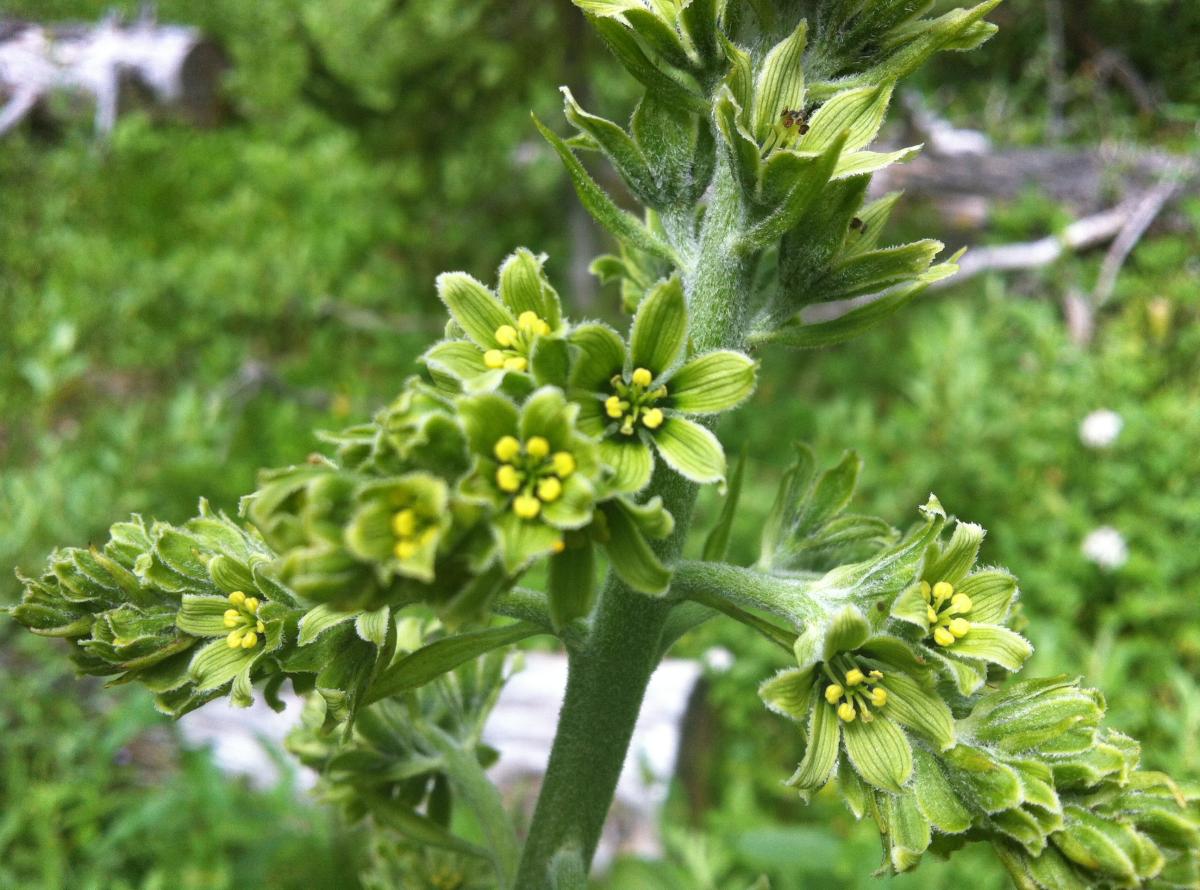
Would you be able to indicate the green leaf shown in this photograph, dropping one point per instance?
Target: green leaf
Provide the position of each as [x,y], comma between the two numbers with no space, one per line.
[631,461]
[875,271]
[998,645]
[806,182]
[624,226]
[715,381]
[716,545]
[444,655]
[630,555]
[203,616]
[879,751]
[618,147]
[319,619]
[857,113]
[780,84]
[743,152]
[216,664]
[863,163]
[820,754]
[935,796]
[572,584]
[790,693]
[474,307]
[690,450]
[629,53]
[525,288]
[659,328]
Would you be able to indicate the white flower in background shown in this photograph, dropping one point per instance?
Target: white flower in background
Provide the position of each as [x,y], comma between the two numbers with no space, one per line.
[1106,548]
[1100,428]
[718,659]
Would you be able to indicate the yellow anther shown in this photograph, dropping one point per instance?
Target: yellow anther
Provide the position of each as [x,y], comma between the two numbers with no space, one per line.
[558,546]
[234,621]
[942,591]
[251,604]
[404,523]
[959,627]
[549,489]
[260,627]
[493,358]
[875,675]
[508,478]
[234,639]
[537,447]
[833,693]
[543,328]
[926,590]
[653,418]
[429,535]
[564,464]
[613,407]
[237,597]
[942,636]
[516,363]
[855,677]
[506,335]
[232,613]
[961,603]
[250,640]
[931,614]
[506,449]
[405,549]
[526,506]
[528,320]
[642,377]
[879,696]
[846,711]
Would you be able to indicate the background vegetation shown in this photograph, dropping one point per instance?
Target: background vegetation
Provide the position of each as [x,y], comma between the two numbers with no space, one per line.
[179,307]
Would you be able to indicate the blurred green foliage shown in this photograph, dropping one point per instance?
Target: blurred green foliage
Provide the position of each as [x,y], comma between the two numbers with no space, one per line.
[180,307]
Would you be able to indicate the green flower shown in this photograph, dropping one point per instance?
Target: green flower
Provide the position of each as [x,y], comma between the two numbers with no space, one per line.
[866,695]
[961,612]
[399,523]
[516,333]
[641,394]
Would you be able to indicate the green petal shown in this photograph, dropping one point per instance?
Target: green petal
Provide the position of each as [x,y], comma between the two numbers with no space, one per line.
[630,555]
[998,645]
[373,626]
[650,517]
[659,328]
[958,556]
[789,693]
[911,606]
[524,540]
[631,460]
[992,593]
[203,616]
[968,676]
[242,692]
[935,796]
[716,381]
[601,355]
[690,450]
[457,360]
[525,288]
[487,417]
[591,419]
[572,583]
[879,751]
[845,632]
[319,619]
[920,709]
[821,752]
[216,664]
[991,785]
[550,361]
[908,836]
[548,414]
[474,307]
[574,506]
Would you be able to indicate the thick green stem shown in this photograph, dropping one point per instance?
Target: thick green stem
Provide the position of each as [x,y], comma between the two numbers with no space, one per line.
[609,671]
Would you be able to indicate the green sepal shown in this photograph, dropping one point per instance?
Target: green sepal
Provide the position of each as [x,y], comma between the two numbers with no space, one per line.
[804,185]
[571,584]
[631,461]
[908,834]
[601,355]
[716,543]
[998,645]
[624,154]
[203,616]
[217,664]
[631,557]
[936,797]
[921,710]
[319,619]
[954,560]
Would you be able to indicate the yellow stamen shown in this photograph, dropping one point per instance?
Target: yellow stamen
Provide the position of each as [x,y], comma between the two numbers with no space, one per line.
[642,377]
[260,627]
[506,335]
[507,448]
[925,590]
[234,621]
[549,489]
[237,597]
[875,675]
[493,358]
[251,604]
[833,693]
[942,636]
[564,464]
[613,407]
[942,591]
[558,546]
[931,615]
[526,506]
[879,696]
[528,320]
[405,549]
[961,603]
[855,677]
[404,523]
[653,418]
[543,328]
[516,363]
[429,535]
[250,640]
[232,613]
[508,478]
[846,711]
[959,627]
[537,447]
[234,639]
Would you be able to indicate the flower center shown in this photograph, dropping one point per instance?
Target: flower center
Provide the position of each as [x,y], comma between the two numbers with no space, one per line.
[851,692]
[516,343]
[944,610]
[633,400]
[243,621]
[411,533]
[530,473]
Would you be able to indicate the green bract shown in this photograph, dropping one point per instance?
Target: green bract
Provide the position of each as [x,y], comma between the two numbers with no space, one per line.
[635,395]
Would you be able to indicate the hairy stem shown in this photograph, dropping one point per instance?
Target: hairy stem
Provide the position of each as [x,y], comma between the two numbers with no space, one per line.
[609,671]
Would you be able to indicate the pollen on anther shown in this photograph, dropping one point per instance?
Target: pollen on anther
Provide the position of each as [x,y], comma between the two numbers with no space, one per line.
[642,377]
[564,464]
[653,418]
[846,711]
[537,447]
